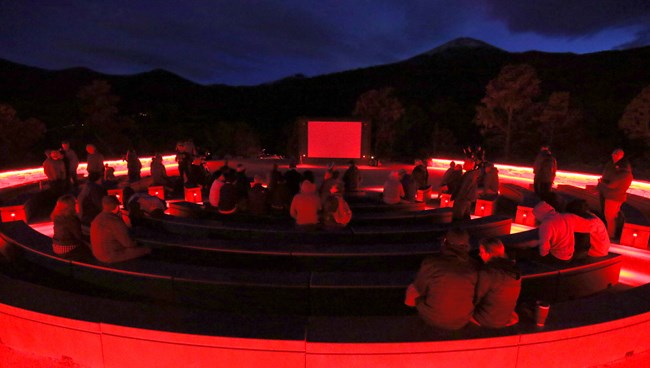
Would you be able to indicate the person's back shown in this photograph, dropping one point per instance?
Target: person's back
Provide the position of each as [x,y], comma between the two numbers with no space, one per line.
[258,202]
[215,191]
[336,211]
[420,174]
[498,287]
[293,179]
[90,199]
[409,185]
[158,171]
[443,290]
[228,197]
[352,178]
[556,231]
[393,190]
[109,236]
[306,205]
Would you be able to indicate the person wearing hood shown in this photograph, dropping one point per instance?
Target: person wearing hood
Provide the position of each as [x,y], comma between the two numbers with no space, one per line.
[556,232]
[443,290]
[613,186]
[498,287]
[306,205]
[393,190]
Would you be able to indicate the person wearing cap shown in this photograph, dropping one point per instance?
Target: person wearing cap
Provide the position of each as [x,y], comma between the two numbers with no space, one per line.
[443,290]
[109,236]
[498,287]
[613,186]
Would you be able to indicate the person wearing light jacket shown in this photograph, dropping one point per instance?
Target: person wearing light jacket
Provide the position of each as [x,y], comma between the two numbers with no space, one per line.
[556,232]
[306,205]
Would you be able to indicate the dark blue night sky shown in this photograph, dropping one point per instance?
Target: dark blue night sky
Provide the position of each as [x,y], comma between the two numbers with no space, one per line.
[247,42]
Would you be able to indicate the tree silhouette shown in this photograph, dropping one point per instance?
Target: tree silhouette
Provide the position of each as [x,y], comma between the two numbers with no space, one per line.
[558,120]
[17,137]
[635,121]
[384,111]
[507,99]
[100,117]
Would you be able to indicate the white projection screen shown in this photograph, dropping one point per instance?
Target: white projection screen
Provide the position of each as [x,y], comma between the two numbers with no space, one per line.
[334,139]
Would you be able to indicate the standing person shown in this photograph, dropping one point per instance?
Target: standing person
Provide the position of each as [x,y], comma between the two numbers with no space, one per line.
[306,206]
[443,290]
[352,178]
[613,186]
[293,179]
[490,180]
[498,287]
[544,168]
[109,235]
[184,160]
[465,195]
[54,169]
[133,165]
[67,240]
[95,161]
[420,174]
[71,160]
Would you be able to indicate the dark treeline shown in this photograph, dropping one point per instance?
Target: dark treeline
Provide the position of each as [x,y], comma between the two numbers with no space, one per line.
[437,96]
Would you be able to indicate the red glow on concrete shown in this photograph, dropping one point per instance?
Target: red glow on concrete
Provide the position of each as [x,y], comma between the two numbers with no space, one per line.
[334,139]
[34,175]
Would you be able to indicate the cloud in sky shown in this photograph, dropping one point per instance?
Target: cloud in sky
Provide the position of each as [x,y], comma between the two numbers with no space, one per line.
[254,41]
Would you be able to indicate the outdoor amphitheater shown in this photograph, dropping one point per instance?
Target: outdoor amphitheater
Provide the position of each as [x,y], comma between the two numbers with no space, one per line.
[247,291]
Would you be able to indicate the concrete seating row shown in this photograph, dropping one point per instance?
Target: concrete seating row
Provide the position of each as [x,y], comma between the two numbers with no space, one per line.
[195,210]
[357,234]
[329,292]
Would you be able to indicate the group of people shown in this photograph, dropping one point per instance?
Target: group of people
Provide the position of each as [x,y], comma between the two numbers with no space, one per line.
[402,186]
[289,192]
[452,289]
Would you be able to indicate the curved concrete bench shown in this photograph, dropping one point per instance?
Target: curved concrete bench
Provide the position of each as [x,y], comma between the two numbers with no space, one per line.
[194,210]
[481,227]
[106,332]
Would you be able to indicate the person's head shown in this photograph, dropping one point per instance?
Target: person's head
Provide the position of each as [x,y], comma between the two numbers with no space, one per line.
[351,163]
[158,158]
[617,155]
[110,204]
[458,167]
[394,175]
[90,148]
[457,236]
[65,145]
[257,179]
[491,248]
[55,155]
[66,205]
[240,168]
[468,165]
[418,162]
[545,147]
[336,188]
[452,164]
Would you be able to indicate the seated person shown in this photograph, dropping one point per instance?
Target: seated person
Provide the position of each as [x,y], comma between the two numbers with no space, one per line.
[228,196]
[140,204]
[306,205]
[443,290]
[499,284]
[556,234]
[408,184]
[109,235]
[67,240]
[598,241]
[393,190]
[90,198]
[336,212]
[258,197]
[215,190]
